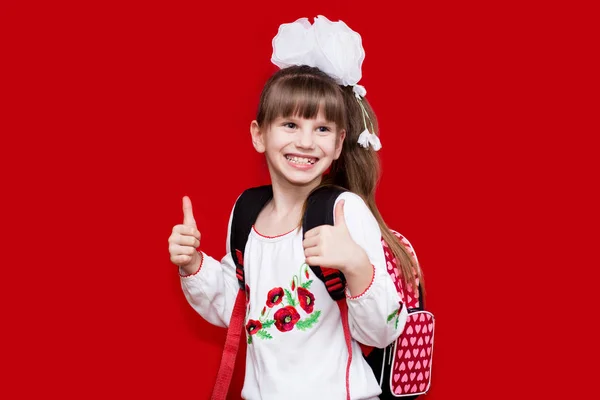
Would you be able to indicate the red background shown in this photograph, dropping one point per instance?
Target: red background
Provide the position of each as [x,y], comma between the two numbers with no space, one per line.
[112,111]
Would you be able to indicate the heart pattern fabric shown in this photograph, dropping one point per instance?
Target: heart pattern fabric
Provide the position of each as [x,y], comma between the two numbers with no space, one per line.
[411,366]
[410,297]
[413,350]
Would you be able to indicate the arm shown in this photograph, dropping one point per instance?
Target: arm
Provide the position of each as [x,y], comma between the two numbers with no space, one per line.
[212,289]
[371,294]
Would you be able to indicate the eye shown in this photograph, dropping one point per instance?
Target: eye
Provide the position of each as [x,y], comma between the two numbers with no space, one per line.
[290,125]
[323,129]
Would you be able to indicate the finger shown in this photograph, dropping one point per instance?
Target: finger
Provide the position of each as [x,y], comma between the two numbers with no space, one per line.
[187,231]
[313,232]
[315,261]
[310,242]
[183,240]
[340,220]
[178,250]
[181,260]
[188,214]
[312,252]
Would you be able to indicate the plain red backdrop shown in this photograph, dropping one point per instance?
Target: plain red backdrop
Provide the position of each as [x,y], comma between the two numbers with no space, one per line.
[112,111]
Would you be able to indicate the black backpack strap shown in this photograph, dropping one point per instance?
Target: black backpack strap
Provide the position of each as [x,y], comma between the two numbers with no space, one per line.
[421,302]
[246,210]
[319,211]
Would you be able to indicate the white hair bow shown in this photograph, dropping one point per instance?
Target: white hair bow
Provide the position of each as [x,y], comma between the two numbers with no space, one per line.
[367,139]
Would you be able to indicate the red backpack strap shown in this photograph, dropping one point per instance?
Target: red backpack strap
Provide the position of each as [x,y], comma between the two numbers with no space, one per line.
[232,344]
[245,212]
[319,211]
[346,326]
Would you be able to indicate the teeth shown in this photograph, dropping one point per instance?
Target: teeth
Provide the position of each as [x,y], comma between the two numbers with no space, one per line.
[301,160]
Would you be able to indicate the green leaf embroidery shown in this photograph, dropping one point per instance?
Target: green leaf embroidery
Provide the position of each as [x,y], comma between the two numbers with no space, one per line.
[289,298]
[249,339]
[397,319]
[268,324]
[264,334]
[307,323]
[306,285]
[392,315]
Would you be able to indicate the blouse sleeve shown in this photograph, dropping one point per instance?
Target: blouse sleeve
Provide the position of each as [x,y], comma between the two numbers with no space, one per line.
[372,314]
[212,290]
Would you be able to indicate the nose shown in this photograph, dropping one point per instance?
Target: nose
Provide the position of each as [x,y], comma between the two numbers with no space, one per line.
[306,139]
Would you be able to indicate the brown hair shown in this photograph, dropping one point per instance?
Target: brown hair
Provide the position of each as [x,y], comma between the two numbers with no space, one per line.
[303,91]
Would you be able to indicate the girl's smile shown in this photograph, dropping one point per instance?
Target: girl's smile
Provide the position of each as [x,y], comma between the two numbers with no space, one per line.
[300,161]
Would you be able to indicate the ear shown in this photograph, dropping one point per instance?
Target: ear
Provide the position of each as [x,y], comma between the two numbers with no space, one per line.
[257,137]
[339,144]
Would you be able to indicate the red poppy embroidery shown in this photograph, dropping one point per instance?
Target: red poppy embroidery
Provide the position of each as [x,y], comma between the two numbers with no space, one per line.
[253,326]
[284,303]
[274,297]
[306,299]
[285,318]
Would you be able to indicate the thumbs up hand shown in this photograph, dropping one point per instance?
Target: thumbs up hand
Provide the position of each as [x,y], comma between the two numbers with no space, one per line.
[333,247]
[184,241]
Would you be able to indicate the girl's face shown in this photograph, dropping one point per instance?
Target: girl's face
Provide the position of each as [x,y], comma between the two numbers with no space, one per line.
[299,150]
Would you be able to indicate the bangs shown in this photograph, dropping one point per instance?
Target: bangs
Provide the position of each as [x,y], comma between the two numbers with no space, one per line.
[303,96]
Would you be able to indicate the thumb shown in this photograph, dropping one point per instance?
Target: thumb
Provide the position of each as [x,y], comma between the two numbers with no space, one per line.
[188,214]
[340,220]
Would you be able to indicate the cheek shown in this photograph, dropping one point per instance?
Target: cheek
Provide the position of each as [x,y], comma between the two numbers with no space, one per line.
[274,143]
[328,144]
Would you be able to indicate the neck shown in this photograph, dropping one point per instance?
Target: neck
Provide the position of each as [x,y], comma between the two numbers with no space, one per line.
[288,198]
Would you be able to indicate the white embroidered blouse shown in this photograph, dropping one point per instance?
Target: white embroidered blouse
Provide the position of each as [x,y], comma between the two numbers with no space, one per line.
[296,346]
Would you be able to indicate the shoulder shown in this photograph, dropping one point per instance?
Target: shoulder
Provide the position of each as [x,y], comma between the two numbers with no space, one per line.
[357,213]
[252,199]
[361,224]
[254,193]
[249,199]
[353,203]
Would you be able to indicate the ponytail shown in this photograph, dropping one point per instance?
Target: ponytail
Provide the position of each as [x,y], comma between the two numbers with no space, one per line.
[358,170]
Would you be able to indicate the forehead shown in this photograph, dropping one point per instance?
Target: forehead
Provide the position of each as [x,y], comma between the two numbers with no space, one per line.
[305,99]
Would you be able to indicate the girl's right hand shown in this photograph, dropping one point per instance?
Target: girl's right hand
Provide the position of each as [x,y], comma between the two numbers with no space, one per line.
[184,241]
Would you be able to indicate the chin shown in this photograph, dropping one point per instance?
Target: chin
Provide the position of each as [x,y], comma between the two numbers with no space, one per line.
[301,178]
[297,181]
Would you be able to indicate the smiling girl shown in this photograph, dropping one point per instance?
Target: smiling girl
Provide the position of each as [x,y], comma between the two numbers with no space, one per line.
[313,132]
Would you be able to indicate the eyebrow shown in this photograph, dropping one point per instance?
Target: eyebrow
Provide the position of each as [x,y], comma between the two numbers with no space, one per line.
[296,119]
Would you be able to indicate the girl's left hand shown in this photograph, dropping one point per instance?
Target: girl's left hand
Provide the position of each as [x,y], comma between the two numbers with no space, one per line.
[333,247]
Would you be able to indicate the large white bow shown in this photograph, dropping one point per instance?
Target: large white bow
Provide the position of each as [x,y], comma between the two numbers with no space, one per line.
[332,47]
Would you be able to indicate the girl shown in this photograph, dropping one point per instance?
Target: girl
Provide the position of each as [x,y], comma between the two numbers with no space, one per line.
[309,127]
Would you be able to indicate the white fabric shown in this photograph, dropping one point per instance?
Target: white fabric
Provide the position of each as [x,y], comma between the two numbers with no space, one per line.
[332,47]
[310,363]
[367,139]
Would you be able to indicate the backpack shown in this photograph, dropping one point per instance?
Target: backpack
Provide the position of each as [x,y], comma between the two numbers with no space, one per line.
[403,368]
